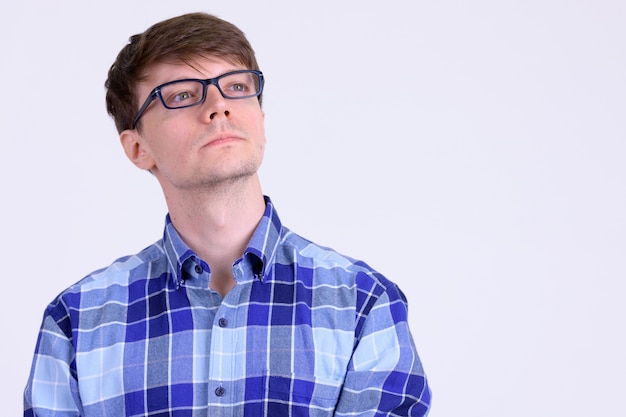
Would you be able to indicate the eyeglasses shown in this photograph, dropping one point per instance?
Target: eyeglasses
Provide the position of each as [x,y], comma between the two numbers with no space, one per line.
[180,94]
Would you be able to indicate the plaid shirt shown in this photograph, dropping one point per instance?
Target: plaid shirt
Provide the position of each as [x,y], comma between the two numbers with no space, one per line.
[305,332]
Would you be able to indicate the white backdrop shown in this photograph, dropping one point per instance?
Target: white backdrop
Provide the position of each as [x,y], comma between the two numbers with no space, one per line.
[473,152]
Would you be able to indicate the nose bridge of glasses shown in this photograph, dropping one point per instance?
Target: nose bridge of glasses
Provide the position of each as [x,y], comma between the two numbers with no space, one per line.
[207,84]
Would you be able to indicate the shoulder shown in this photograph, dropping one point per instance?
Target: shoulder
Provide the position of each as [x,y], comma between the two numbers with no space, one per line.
[336,267]
[113,281]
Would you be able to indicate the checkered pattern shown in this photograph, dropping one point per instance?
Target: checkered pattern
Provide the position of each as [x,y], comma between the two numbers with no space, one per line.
[305,332]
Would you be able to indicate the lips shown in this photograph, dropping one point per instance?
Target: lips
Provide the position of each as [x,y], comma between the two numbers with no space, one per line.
[221,138]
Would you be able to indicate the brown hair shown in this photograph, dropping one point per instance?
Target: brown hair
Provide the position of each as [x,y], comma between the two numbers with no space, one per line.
[177,40]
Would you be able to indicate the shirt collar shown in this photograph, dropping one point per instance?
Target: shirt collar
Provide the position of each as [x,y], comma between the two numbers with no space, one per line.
[260,252]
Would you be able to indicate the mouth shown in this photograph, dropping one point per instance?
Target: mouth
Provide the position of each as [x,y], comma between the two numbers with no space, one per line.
[222,139]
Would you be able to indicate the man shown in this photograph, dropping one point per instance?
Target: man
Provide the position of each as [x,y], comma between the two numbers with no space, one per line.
[230,313]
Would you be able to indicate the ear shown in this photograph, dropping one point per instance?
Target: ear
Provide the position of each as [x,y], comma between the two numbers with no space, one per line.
[136,149]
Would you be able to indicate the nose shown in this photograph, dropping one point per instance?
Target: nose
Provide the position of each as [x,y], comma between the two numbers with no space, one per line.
[226,113]
[215,105]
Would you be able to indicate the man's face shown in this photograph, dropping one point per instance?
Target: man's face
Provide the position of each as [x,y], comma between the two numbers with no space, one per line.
[214,143]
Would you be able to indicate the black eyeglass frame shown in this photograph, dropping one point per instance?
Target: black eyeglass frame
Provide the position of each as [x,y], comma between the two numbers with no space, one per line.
[156,92]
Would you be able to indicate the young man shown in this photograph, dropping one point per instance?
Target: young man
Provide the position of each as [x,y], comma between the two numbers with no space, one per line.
[230,313]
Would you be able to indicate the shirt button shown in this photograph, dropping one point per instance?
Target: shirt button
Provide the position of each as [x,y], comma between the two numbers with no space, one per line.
[220,391]
[198,269]
[222,322]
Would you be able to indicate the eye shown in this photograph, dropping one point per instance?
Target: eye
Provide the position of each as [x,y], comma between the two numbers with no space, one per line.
[238,84]
[178,98]
[238,88]
[182,96]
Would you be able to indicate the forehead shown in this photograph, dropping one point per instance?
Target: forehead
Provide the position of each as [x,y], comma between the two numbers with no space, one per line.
[205,66]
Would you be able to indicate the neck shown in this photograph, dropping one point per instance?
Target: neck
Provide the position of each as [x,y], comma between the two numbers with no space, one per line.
[218,224]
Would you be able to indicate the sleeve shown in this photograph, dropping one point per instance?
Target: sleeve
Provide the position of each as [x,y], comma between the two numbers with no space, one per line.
[385,375]
[52,388]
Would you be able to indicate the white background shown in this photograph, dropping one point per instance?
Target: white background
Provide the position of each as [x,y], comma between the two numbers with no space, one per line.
[473,152]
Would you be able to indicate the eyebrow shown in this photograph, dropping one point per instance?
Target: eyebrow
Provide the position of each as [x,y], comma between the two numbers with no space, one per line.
[181,78]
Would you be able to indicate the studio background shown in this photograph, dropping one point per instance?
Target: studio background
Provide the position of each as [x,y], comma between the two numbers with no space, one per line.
[473,152]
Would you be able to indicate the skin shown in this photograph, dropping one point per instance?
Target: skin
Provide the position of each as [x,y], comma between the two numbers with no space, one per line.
[206,160]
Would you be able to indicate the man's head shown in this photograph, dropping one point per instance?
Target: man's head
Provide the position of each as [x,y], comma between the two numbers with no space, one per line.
[182,39]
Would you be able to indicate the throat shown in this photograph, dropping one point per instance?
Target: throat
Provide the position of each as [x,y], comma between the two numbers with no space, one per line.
[222,281]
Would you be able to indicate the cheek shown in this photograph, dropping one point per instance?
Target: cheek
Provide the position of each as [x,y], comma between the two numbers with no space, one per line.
[165,145]
[255,126]
[261,127]
[262,139]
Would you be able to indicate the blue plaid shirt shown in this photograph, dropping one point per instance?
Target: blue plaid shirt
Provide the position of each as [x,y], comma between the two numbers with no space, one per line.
[305,332]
